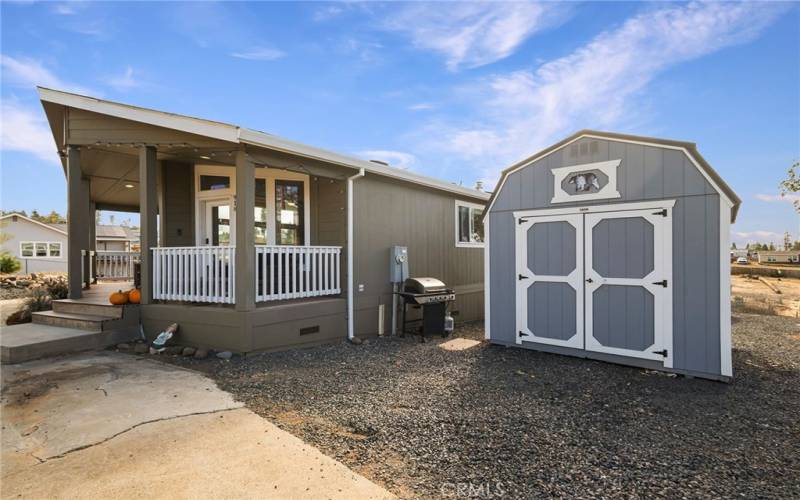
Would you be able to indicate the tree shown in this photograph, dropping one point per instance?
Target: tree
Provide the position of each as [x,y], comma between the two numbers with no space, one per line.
[54,218]
[792,183]
[771,247]
[787,241]
[733,246]
[796,245]
[35,215]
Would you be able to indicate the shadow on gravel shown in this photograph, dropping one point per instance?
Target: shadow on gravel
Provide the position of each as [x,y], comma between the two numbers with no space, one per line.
[426,422]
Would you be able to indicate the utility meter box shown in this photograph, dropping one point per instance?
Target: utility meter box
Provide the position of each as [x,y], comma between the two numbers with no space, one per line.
[398,264]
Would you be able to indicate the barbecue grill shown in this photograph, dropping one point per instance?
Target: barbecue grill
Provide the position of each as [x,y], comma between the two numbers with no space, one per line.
[433,296]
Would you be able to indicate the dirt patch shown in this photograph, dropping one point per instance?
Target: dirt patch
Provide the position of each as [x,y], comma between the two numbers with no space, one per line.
[757,295]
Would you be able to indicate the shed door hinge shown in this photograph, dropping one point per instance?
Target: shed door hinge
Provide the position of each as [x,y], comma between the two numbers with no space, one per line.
[523,334]
[662,352]
[663,283]
[521,277]
[662,213]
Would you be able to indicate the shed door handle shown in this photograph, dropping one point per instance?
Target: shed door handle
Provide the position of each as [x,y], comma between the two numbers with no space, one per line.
[589,280]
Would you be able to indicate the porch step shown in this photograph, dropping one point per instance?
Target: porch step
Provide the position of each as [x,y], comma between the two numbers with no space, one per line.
[29,341]
[87,322]
[82,307]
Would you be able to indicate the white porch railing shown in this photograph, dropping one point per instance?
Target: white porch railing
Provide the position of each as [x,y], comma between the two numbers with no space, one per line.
[292,272]
[115,265]
[196,274]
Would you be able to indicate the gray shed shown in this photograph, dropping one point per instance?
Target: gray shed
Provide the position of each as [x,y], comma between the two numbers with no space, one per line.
[613,247]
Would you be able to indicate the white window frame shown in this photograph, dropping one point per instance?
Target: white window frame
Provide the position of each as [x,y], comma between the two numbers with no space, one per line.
[270,175]
[47,247]
[471,206]
[609,191]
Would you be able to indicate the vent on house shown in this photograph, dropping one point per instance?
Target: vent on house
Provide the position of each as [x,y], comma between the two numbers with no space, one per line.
[309,330]
[573,151]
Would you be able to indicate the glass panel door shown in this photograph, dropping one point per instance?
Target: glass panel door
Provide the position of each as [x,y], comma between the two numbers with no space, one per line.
[218,223]
[261,212]
[289,215]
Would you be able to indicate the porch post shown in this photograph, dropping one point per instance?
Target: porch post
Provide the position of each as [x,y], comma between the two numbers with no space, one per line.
[77,227]
[147,218]
[93,242]
[245,233]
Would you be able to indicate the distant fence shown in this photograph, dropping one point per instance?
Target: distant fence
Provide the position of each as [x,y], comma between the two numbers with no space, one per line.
[775,272]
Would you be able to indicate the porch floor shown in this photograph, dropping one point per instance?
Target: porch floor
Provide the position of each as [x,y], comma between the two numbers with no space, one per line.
[98,293]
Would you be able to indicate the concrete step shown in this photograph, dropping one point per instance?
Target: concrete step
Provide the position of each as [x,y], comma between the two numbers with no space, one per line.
[29,341]
[87,322]
[83,307]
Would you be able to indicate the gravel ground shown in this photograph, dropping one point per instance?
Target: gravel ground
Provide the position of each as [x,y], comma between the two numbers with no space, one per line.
[425,422]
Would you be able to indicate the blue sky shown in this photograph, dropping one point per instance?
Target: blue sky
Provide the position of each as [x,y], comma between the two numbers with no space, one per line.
[455,90]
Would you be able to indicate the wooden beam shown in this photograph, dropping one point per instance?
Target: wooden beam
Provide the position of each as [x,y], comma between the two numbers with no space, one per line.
[245,232]
[148,201]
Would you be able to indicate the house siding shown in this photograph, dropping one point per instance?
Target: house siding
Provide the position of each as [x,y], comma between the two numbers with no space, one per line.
[177,207]
[645,173]
[388,213]
[23,230]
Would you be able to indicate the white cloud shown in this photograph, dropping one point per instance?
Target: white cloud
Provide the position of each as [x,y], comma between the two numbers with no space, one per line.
[68,8]
[396,159]
[26,131]
[125,81]
[596,86]
[472,34]
[28,73]
[744,237]
[260,54]
[422,106]
[776,198]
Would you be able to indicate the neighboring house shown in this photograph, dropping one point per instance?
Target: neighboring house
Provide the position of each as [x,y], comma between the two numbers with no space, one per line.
[39,247]
[117,238]
[779,257]
[254,242]
[739,252]
[613,247]
[42,247]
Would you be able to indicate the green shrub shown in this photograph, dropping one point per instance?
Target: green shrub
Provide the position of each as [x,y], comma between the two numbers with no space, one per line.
[57,289]
[39,300]
[8,263]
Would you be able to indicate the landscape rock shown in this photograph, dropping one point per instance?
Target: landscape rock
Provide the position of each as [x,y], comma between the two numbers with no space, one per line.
[356,341]
[140,348]
[174,350]
[225,355]
[201,354]
[189,351]
[123,346]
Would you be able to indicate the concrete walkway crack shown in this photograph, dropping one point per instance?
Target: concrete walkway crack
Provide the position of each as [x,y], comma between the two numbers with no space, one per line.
[109,438]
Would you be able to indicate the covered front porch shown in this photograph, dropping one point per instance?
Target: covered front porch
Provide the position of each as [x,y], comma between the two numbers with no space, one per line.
[225,223]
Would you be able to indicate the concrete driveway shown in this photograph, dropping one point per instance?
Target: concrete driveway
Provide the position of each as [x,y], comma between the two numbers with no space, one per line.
[113,425]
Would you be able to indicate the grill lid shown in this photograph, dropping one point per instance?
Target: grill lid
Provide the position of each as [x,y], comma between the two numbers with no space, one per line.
[424,285]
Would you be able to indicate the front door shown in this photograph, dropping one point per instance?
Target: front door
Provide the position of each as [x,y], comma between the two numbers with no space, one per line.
[596,281]
[218,223]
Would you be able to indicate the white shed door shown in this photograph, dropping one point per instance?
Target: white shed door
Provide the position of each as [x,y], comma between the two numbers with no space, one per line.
[596,281]
[628,283]
[550,280]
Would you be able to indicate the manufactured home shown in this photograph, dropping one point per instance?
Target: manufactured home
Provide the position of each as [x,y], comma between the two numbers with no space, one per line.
[613,247]
[779,257]
[38,246]
[253,242]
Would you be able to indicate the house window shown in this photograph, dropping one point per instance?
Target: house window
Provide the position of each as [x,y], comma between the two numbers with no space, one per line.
[469,224]
[214,182]
[40,249]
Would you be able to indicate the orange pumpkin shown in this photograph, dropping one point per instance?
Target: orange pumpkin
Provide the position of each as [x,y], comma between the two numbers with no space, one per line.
[134,296]
[118,298]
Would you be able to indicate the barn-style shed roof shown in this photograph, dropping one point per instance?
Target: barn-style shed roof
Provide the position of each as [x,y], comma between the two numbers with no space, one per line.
[689,148]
